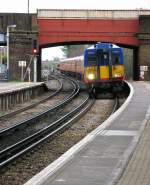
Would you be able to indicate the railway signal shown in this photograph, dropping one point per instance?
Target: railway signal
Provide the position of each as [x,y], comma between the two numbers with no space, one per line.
[34,47]
[34,52]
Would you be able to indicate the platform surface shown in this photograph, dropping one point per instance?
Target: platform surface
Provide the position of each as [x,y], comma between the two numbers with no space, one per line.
[117,152]
[11,86]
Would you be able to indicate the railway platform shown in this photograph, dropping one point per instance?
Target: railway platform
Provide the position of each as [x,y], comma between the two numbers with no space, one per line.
[117,152]
[12,93]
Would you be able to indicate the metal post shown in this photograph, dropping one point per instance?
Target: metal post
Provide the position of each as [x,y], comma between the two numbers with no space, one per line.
[28,6]
[22,73]
[35,68]
[1,54]
[29,74]
[7,36]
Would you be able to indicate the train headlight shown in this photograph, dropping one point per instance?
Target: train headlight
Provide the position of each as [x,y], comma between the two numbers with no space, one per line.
[118,75]
[91,76]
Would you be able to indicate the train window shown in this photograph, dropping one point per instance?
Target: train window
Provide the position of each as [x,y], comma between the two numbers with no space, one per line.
[115,59]
[104,59]
[92,59]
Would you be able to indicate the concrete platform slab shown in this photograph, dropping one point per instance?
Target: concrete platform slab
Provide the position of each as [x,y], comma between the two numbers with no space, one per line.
[11,86]
[13,93]
[101,157]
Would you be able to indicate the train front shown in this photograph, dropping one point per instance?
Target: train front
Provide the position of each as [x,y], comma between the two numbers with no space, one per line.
[103,66]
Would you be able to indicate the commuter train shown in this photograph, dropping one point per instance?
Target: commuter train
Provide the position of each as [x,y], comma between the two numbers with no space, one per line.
[101,67]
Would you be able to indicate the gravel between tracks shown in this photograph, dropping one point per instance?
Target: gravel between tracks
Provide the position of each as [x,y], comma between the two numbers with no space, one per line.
[33,162]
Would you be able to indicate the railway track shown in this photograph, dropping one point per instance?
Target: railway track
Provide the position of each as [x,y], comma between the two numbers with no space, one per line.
[29,122]
[50,95]
[23,145]
[56,98]
[13,152]
[23,168]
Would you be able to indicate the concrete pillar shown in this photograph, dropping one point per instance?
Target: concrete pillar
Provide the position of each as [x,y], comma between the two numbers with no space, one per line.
[3,103]
[21,97]
[17,97]
[144,58]
[9,100]
[135,63]
[39,65]
[0,102]
[6,102]
[144,48]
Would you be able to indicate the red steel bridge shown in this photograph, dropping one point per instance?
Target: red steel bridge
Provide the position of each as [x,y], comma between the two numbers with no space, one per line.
[116,26]
[127,28]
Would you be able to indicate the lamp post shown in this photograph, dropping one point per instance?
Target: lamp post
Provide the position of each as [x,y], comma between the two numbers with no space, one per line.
[28,6]
[7,36]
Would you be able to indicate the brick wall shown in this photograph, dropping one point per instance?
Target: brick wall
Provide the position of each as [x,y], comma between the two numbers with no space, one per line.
[24,22]
[144,58]
[144,21]
[20,39]
[144,49]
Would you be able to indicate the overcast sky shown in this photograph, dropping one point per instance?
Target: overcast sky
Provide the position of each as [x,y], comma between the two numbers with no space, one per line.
[21,6]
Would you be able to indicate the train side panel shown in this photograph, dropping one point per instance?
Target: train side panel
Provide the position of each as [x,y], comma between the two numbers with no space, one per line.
[72,66]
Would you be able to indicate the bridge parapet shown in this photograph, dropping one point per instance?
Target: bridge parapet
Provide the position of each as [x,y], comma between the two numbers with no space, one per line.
[90,14]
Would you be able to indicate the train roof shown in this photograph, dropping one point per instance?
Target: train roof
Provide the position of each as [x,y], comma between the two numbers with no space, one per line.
[78,58]
[103,45]
[96,46]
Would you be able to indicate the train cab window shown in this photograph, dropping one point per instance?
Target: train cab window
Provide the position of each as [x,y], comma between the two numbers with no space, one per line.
[103,57]
[92,59]
[115,59]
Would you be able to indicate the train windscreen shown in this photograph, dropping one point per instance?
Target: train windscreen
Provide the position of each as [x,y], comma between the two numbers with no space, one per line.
[103,57]
[92,59]
[116,58]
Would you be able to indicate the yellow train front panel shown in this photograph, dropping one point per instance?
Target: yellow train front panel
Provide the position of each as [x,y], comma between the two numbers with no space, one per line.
[93,74]
[118,71]
[104,73]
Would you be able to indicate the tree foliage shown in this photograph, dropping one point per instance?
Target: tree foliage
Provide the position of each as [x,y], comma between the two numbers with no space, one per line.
[73,50]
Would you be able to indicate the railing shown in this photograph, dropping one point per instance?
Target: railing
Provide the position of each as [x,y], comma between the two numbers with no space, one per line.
[91,14]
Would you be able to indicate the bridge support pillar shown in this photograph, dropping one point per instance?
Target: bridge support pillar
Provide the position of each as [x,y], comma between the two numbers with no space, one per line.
[135,64]
[144,47]
[144,59]
[39,66]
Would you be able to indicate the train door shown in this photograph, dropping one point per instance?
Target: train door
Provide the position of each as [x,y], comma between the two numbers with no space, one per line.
[117,64]
[103,58]
[110,63]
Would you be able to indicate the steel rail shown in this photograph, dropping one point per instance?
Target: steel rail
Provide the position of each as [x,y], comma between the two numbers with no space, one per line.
[116,105]
[16,150]
[34,104]
[44,113]
[13,152]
